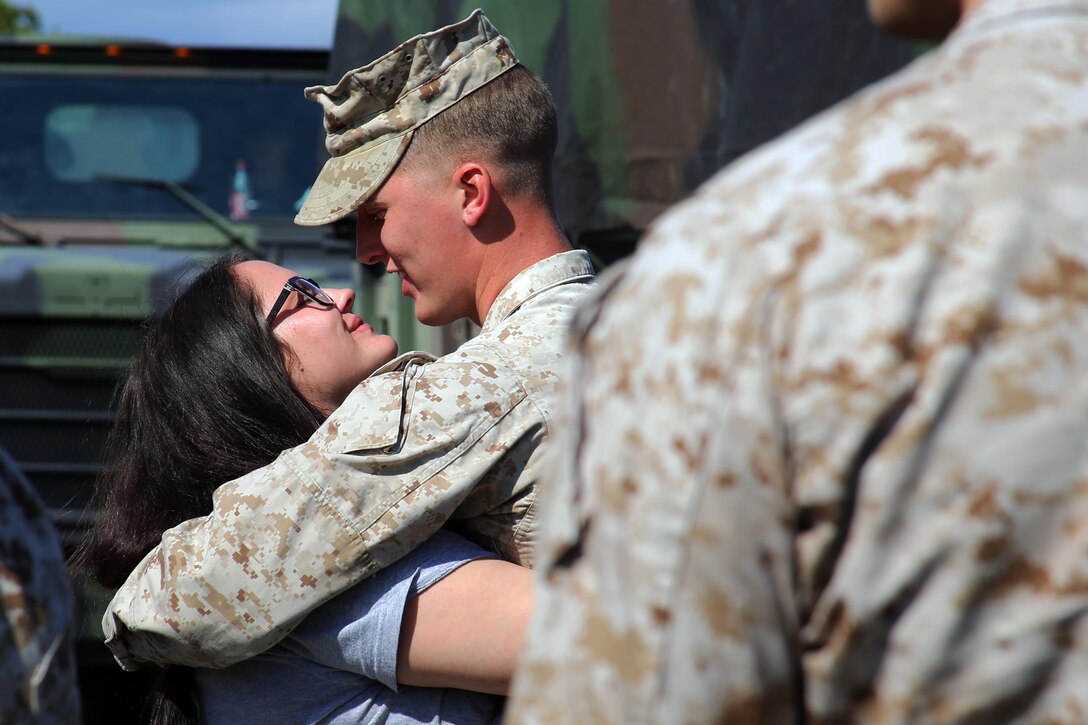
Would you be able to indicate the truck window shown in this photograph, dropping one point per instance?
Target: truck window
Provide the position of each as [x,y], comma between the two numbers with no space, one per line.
[97,131]
[88,142]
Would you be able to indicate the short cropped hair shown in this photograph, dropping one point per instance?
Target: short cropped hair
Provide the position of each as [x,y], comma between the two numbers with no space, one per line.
[511,120]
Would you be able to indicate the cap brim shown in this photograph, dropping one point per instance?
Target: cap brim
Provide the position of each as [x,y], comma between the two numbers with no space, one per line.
[345,182]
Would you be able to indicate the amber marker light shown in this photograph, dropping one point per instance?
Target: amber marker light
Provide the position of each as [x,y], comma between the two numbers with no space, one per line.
[113,50]
[44,49]
[181,52]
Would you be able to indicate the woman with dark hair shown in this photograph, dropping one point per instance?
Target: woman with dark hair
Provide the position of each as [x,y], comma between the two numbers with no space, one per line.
[248,362]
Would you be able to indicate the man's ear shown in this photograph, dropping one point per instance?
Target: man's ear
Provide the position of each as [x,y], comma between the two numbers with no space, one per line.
[475,184]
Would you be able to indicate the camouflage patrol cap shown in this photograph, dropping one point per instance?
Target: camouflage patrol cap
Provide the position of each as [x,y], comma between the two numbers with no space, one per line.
[371,113]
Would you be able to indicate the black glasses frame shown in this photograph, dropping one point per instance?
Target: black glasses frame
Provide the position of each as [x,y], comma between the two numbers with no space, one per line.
[304,286]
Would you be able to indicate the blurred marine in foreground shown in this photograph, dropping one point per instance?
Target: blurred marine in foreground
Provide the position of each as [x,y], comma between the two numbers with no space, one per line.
[37,662]
[824,452]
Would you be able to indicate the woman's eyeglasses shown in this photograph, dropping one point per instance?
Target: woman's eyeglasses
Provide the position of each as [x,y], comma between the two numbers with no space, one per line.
[309,289]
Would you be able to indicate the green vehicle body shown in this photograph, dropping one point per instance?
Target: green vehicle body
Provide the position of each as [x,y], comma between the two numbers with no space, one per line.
[653,98]
[118,171]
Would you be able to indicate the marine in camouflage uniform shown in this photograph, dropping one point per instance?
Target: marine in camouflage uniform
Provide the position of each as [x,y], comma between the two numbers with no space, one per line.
[823,459]
[419,443]
[37,663]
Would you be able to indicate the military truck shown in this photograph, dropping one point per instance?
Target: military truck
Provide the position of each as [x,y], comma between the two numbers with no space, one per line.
[123,168]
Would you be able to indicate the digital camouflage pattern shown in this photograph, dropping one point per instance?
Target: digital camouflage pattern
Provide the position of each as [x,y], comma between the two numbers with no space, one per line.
[371,113]
[653,97]
[823,457]
[37,663]
[455,439]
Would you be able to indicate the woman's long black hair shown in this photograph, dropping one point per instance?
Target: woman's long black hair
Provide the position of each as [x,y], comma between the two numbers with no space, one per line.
[206,400]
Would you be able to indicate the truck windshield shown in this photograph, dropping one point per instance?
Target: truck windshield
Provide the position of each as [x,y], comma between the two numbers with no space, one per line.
[71,141]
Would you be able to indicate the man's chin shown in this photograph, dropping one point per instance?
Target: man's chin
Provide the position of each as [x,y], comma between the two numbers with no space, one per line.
[443,315]
[434,320]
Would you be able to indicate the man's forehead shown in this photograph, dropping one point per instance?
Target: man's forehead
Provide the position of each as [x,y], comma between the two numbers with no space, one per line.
[383,193]
[405,181]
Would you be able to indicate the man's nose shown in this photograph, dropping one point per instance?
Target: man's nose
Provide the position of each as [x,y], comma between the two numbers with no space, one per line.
[368,243]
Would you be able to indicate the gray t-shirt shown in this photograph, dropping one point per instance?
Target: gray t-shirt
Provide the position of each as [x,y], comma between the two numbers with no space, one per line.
[339,665]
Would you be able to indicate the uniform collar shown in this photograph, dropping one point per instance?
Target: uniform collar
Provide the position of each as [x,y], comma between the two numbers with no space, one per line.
[995,12]
[557,269]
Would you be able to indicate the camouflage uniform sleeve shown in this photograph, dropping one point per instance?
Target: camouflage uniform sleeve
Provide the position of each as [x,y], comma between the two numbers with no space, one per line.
[37,662]
[634,581]
[383,473]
